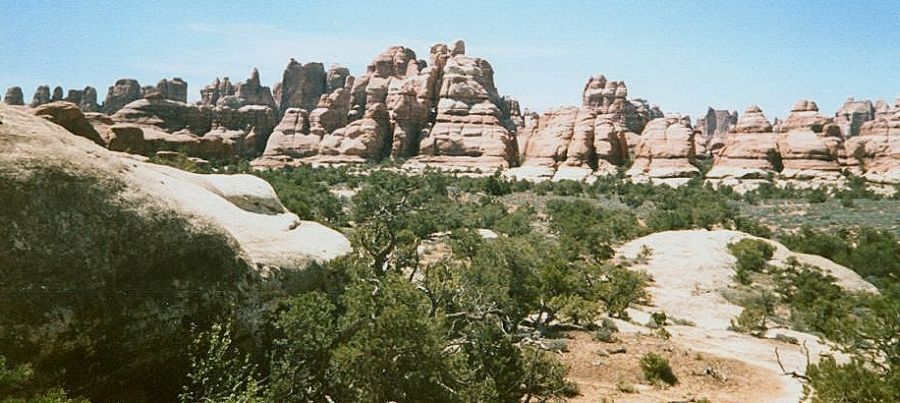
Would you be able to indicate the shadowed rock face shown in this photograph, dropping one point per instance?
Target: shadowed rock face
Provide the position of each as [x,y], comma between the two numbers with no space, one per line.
[711,130]
[122,93]
[41,96]
[175,89]
[14,96]
[749,149]
[69,116]
[302,85]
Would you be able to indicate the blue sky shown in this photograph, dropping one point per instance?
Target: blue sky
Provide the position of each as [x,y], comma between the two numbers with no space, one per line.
[682,55]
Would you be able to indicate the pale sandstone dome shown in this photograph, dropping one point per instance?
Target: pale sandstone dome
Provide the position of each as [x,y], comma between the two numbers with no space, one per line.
[809,143]
[749,149]
[665,150]
[243,207]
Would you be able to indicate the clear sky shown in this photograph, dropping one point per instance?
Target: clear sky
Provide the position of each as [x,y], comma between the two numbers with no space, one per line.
[682,55]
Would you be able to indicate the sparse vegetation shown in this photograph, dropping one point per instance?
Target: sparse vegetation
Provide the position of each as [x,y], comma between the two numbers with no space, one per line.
[657,370]
[479,319]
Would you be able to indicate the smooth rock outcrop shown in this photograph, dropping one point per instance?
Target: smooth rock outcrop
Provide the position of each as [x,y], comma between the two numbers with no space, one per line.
[244,206]
[665,150]
[14,96]
[749,150]
[69,116]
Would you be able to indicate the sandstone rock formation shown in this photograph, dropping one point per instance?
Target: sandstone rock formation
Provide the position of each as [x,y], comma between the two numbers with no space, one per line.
[852,114]
[336,78]
[809,143]
[361,140]
[244,206]
[57,94]
[291,139]
[549,144]
[570,142]
[333,109]
[89,100]
[124,91]
[201,245]
[876,150]
[302,85]
[14,96]
[69,116]
[41,96]
[447,113]
[230,121]
[211,94]
[749,149]
[469,129]
[665,150]
[394,79]
[712,129]
[175,89]
[85,99]
[252,92]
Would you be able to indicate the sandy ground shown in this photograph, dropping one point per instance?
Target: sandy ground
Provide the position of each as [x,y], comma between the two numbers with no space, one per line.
[700,374]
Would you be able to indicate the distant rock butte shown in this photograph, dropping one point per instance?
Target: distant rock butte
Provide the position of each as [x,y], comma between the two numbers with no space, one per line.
[446,112]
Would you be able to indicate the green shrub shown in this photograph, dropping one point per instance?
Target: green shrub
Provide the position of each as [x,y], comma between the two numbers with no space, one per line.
[751,257]
[626,387]
[656,369]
